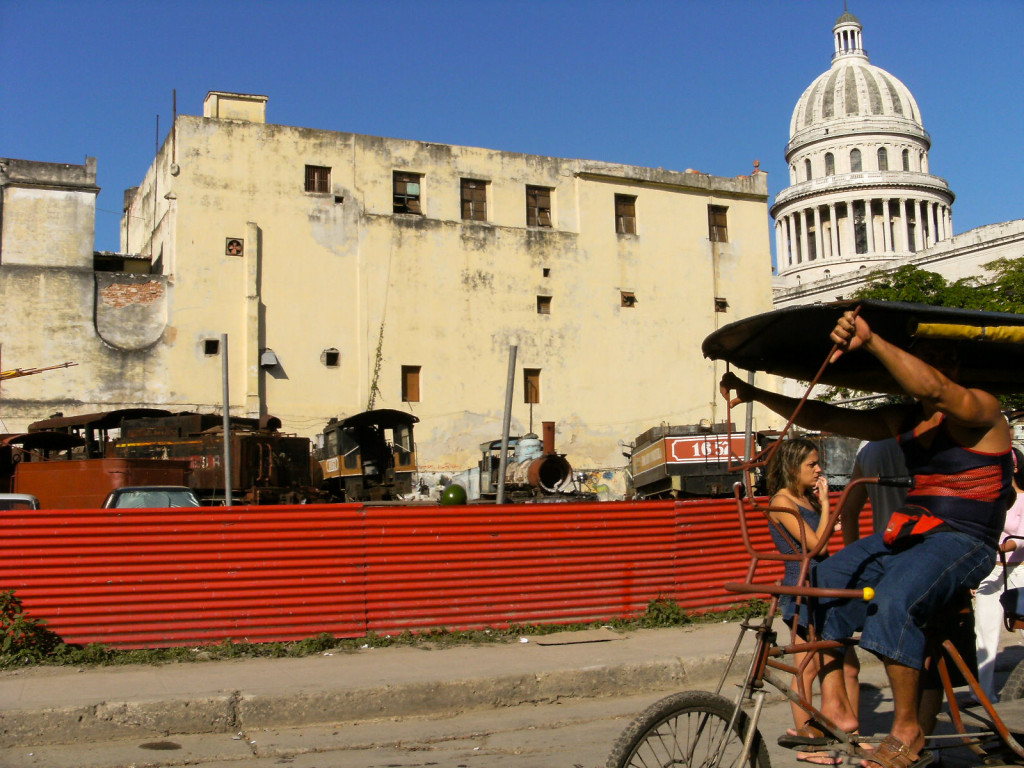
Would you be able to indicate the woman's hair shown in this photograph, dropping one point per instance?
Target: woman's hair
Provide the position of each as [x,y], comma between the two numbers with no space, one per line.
[784,466]
[1018,466]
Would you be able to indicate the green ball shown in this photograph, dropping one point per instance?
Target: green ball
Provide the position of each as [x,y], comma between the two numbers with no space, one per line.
[453,494]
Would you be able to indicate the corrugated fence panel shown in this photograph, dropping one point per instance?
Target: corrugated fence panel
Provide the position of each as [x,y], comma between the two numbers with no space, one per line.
[152,578]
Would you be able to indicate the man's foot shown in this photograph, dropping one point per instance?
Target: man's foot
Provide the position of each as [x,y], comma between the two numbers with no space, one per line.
[893,753]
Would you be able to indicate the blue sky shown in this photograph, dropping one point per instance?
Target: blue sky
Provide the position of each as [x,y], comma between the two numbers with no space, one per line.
[683,84]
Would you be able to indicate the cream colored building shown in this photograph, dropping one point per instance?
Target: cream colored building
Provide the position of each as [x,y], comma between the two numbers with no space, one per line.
[862,196]
[348,270]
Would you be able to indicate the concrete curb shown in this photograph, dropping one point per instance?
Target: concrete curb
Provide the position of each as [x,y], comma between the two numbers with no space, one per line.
[237,711]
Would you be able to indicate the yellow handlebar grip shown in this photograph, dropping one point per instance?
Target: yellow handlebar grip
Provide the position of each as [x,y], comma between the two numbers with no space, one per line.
[869,593]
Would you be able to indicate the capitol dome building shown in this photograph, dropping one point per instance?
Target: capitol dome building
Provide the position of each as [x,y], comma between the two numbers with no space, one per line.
[861,194]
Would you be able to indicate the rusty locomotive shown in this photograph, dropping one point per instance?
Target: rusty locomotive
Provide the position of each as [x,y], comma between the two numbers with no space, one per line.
[369,456]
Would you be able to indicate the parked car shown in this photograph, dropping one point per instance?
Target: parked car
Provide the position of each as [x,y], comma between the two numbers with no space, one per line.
[150,496]
[18,501]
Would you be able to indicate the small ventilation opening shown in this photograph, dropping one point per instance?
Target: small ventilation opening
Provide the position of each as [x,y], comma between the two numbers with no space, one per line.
[211,347]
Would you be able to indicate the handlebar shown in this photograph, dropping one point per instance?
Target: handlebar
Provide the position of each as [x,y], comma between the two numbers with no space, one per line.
[867,593]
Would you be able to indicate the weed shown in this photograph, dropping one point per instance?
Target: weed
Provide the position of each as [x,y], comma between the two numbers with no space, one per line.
[27,641]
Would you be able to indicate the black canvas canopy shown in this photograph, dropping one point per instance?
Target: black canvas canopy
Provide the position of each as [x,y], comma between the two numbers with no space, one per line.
[974,348]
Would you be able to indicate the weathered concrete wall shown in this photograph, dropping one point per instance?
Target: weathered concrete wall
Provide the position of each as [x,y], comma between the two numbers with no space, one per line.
[47,213]
[327,270]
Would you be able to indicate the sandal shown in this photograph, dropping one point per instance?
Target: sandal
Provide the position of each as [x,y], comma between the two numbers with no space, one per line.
[893,753]
[810,734]
[819,758]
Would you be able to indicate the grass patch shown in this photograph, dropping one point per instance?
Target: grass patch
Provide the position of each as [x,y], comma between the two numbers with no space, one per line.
[28,642]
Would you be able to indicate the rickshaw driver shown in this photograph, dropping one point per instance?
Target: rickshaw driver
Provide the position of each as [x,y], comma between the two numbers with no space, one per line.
[959,454]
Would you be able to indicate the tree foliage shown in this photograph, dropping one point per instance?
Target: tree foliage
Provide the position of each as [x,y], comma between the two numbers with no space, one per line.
[1002,292]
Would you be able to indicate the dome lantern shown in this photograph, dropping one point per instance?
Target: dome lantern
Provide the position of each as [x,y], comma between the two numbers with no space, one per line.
[849,37]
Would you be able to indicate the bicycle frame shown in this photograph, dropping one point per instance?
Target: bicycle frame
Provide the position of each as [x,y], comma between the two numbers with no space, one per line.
[769,658]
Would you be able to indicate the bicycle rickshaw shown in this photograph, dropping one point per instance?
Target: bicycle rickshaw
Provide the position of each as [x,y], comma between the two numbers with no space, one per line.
[707,728]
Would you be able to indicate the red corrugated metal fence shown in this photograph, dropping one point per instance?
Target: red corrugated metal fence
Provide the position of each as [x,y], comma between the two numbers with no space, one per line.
[152,578]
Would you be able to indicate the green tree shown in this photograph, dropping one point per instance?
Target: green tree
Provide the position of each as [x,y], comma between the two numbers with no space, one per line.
[1003,292]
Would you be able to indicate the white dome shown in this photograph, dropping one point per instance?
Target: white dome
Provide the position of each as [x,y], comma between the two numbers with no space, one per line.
[853,88]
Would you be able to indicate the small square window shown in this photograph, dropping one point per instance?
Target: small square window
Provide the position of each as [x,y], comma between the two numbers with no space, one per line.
[546,271]
[538,206]
[234,246]
[474,199]
[211,347]
[318,178]
[531,385]
[331,357]
[721,304]
[625,214]
[410,383]
[718,228]
[543,305]
[628,299]
[407,192]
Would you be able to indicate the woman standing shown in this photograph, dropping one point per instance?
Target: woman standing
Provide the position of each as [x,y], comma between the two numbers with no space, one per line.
[988,613]
[799,505]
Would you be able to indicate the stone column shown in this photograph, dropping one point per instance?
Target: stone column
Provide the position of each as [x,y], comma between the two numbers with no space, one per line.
[779,253]
[833,232]
[887,246]
[804,250]
[918,227]
[790,246]
[869,225]
[818,240]
[849,236]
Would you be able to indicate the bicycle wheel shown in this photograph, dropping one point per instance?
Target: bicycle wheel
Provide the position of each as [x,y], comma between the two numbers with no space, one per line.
[690,729]
[1014,686]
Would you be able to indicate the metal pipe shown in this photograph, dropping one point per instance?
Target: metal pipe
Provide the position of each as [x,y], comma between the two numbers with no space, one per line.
[227,420]
[506,424]
[748,437]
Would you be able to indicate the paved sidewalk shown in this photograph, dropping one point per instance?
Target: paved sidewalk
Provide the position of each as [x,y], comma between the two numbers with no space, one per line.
[64,705]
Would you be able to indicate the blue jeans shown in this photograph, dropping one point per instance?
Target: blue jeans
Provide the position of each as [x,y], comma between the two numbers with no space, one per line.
[911,585]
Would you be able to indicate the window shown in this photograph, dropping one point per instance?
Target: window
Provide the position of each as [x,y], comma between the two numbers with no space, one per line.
[807,170]
[718,230]
[546,271]
[410,383]
[855,164]
[543,305]
[318,178]
[906,159]
[625,214]
[538,206]
[474,200]
[627,299]
[721,304]
[830,164]
[211,347]
[331,357]
[531,385]
[407,192]
[883,159]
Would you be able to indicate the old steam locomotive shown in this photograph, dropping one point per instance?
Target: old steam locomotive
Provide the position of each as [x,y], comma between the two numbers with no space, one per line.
[368,456]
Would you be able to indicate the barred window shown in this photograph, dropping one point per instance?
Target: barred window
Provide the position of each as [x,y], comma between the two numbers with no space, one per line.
[318,178]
